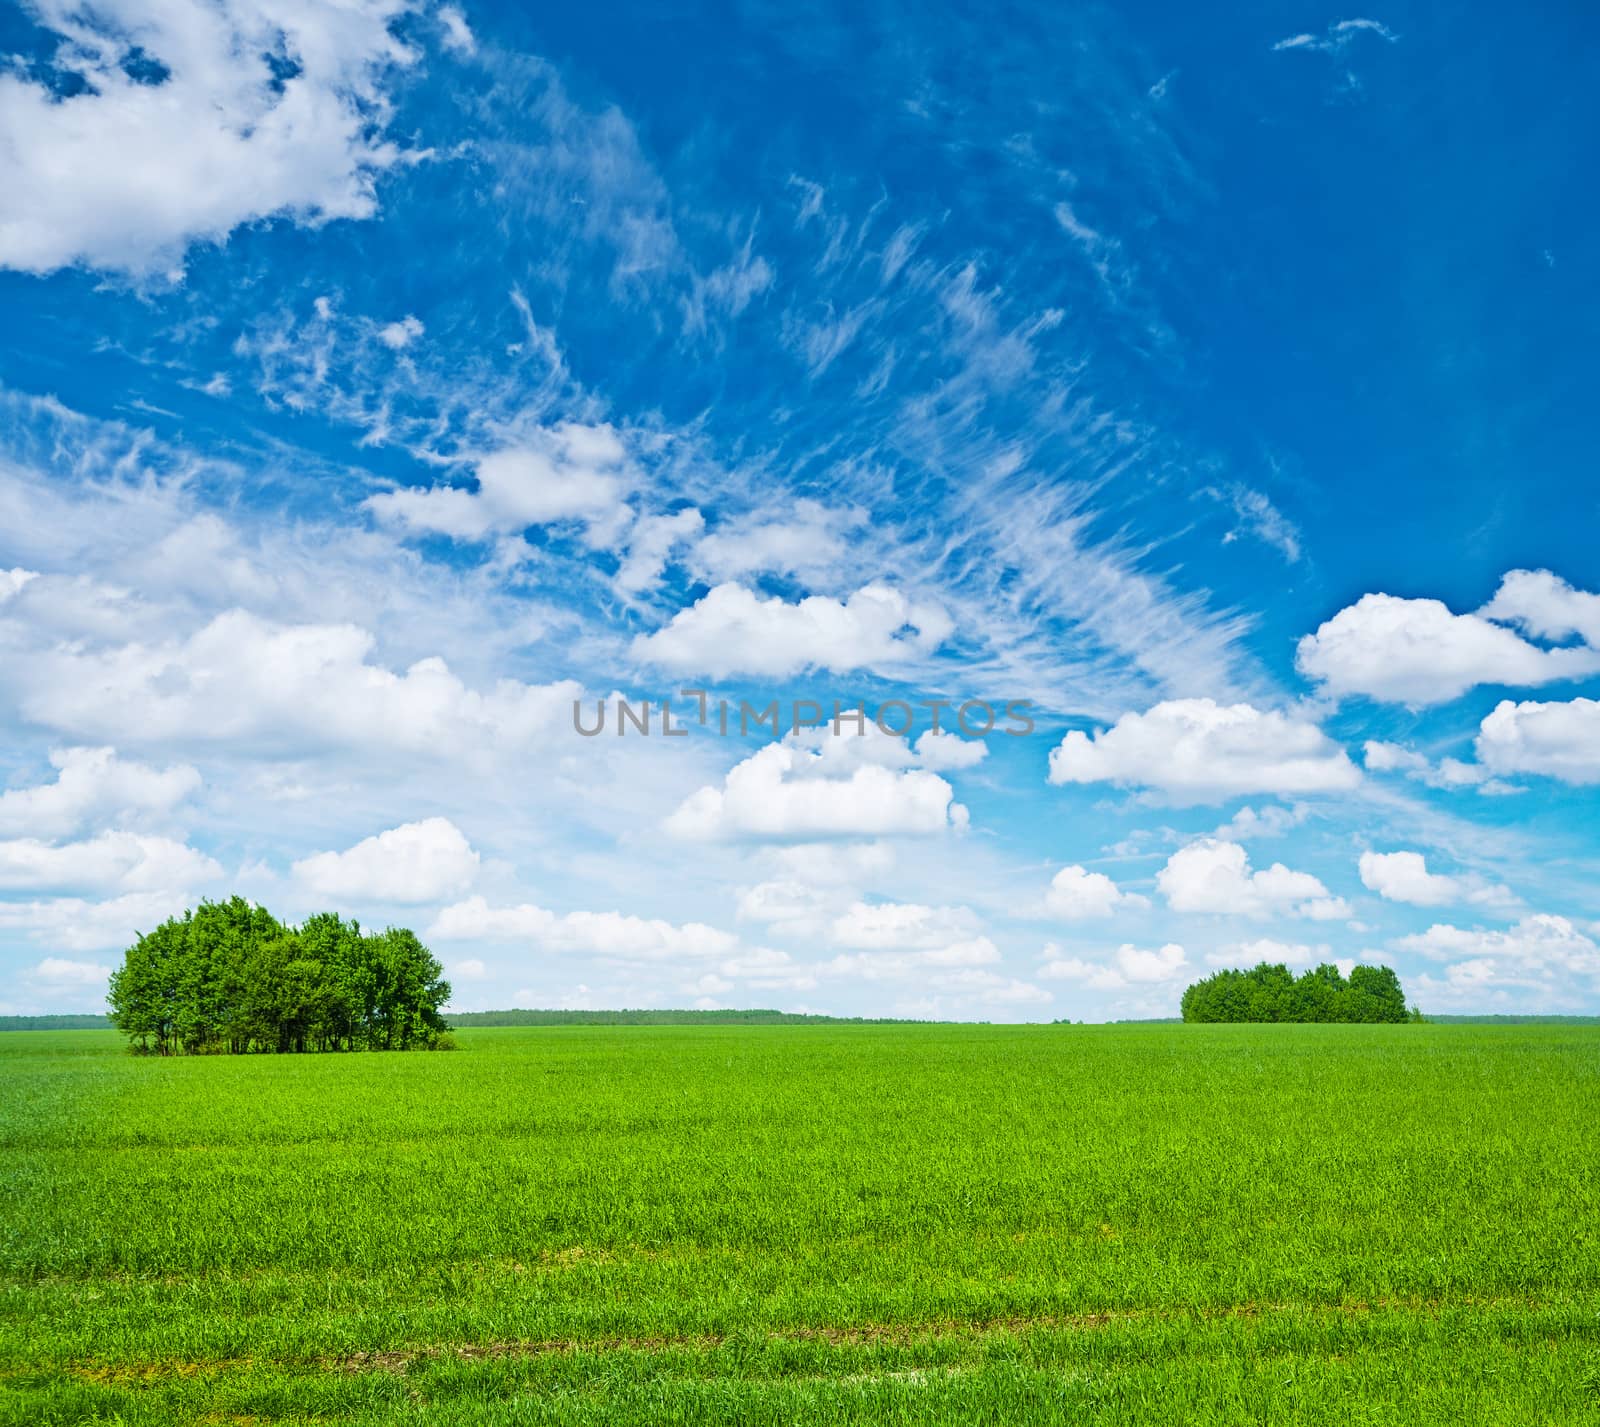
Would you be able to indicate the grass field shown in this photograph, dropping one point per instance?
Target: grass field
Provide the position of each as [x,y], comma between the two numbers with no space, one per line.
[1137,1225]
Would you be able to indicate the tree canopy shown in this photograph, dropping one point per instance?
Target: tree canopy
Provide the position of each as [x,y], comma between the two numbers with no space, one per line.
[1270,993]
[229,976]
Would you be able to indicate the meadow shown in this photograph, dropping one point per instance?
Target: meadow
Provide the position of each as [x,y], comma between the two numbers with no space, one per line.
[778,1224]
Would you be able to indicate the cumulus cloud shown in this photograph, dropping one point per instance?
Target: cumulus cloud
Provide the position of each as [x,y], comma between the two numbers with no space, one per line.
[1273,820]
[814,786]
[764,969]
[1404,877]
[1544,954]
[971,986]
[1418,652]
[1537,938]
[806,541]
[87,924]
[733,630]
[1212,876]
[1199,751]
[415,862]
[900,926]
[610,935]
[901,965]
[1544,606]
[568,472]
[896,940]
[1077,894]
[946,752]
[1450,773]
[1555,740]
[62,974]
[1246,954]
[242,679]
[93,785]
[397,336]
[189,119]
[831,864]
[785,903]
[108,862]
[1129,966]
[12,581]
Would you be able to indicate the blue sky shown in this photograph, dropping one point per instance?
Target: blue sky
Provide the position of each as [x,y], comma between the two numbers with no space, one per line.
[379,379]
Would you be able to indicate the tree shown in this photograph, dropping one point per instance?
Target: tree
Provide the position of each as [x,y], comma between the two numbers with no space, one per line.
[229,976]
[1268,992]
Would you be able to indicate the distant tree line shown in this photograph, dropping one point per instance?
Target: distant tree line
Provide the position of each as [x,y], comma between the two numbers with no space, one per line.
[664,1018]
[1370,994]
[55,1023]
[230,977]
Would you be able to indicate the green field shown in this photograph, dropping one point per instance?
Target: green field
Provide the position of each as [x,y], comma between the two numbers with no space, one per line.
[776,1224]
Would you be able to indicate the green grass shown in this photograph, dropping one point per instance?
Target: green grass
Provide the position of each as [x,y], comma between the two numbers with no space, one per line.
[1133,1225]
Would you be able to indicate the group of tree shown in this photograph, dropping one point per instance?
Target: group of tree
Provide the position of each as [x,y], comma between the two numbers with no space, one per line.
[229,976]
[1270,992]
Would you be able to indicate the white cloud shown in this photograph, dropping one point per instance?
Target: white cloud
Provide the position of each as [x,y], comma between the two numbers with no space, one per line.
[900,965]
[1259,518]
[651,543]
[973,987]
[567,472]
[945,752]
[807,541]
[1545,606]
[108,862]
[83,924]
[733,630]
[902,926]
[1129,966]
[1383,757]
[762,968]
[1542,953]
[469,968]
[397,336]
[611,935]
[1199,751]
[61,974]
[93,785]
[1270,821]
[784,902]
[1541,937]
[12,581]
[894,941]
[1215,877]
[838,788]
[415,862]
[1246,954]
[1404,877]
[832,864]
[457,33]
[1338,36]
[1557,740]
[1416,652]
[243,679]
[1076,894]
[144,160]
[1448,773]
